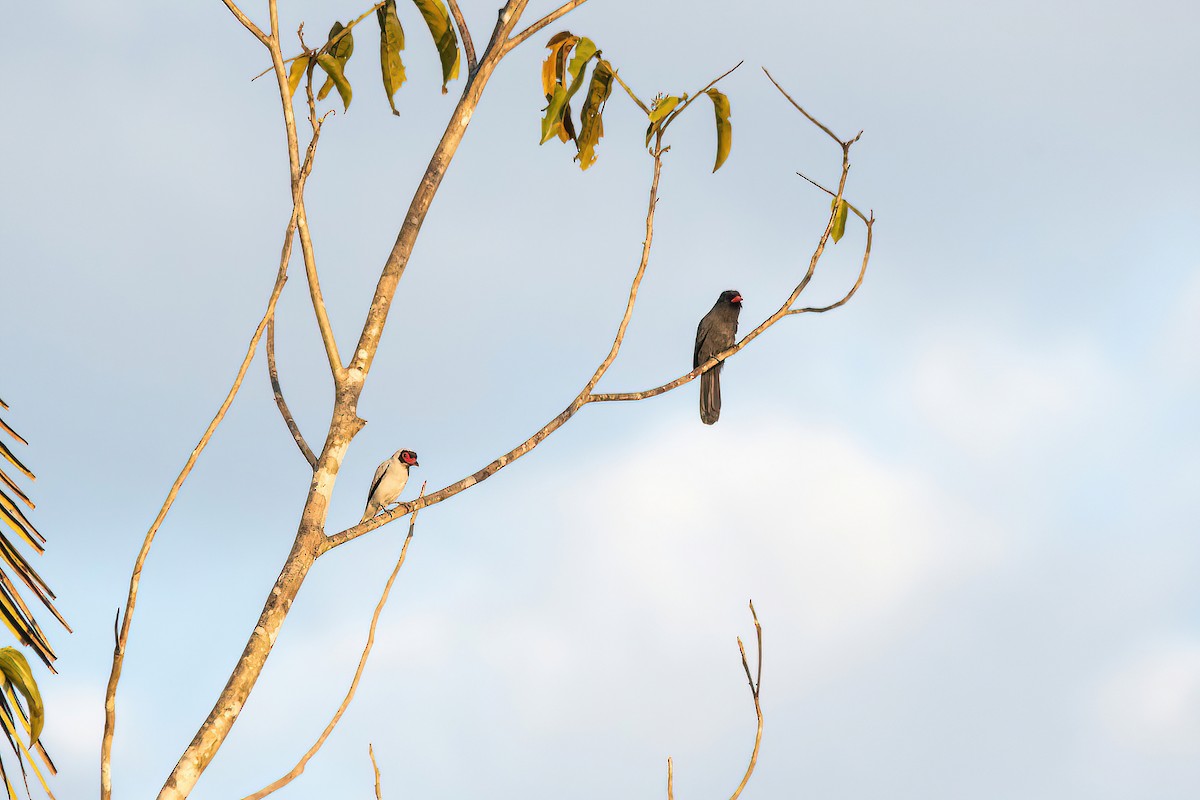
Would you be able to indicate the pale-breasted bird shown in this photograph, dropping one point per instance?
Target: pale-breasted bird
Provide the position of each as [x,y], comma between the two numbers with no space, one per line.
[389,482]
[715,333]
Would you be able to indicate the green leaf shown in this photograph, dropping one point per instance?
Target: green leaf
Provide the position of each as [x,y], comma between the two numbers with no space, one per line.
[333,68]
[296,73]
[840,210]
[391,42]
[16,671]
[341,50]
[557,108]
[438,19]
[724,129]
[591,122]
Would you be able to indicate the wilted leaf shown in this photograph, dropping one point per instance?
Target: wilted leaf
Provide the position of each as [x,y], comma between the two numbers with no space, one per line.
[341,50]
[591,121]
[552,122]
[438,19]
[296,73]
[724,129]
[333,68]
[840,210]
[16,670]
[554,65]
[391,42]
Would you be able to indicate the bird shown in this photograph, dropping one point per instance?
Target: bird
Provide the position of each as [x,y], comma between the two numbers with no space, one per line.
[714,334]
[389,482]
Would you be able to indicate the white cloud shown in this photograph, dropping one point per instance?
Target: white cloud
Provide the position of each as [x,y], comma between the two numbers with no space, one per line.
[1152,701]
[989,395]
[848,548]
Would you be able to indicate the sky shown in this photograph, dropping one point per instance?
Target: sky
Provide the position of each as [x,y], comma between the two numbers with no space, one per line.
[964,504]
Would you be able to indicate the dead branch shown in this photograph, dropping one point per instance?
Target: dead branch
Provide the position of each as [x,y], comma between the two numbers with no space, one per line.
[754,688]
[562,10]
[374,766]
[587,396]
[297,770]
[280,402]
[579,402]
[110,713]
[464,34]
[348,383]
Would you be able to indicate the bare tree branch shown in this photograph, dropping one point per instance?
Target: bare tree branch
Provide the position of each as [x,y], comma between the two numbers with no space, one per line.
[297,169]
[298,770]
[582,399]
[464,34]
[378,791]
[679,110]
[110,713]
[861,273]
[242,18]
[670,780]
[344,424]
[562,10]
[439,162]
[587,396]
[810,117]
[280,402]
[755,686]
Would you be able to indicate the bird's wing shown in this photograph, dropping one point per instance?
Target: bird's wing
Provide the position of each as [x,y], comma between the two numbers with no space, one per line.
[701,335]
[379,473]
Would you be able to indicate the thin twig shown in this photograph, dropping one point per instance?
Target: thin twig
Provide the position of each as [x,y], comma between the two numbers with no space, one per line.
[325,48]
[378,791]
[297,770]
[692,97]
[583,398]
[628,91]
[309,456]
[670,780]
[780,313]
[110,714]
[754,691]
[861,273]
[297,171]
[464,34]
[562,10]
[810,117]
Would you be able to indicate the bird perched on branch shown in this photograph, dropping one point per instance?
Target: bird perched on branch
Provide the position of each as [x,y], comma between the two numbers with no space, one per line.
[389,482]
[715,333]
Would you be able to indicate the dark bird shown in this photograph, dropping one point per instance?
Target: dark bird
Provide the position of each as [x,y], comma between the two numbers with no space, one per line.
[715,333]
[389,481]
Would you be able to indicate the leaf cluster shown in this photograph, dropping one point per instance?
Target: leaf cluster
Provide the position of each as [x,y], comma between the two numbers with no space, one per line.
[15,674]
[333,56]
[563,76]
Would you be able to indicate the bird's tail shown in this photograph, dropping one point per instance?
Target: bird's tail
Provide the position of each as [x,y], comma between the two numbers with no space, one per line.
[371,510]
[710,395]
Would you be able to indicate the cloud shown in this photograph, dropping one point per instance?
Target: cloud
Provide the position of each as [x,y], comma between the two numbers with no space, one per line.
[1151,702]
[990,395]
[847,547]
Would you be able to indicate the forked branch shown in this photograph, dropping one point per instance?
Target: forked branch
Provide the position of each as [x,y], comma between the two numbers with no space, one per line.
[561,11]
[587,396]
[533,441]
[755,684]
[297,770]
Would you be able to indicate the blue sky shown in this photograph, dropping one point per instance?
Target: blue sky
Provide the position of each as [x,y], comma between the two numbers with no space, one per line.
[965,504]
